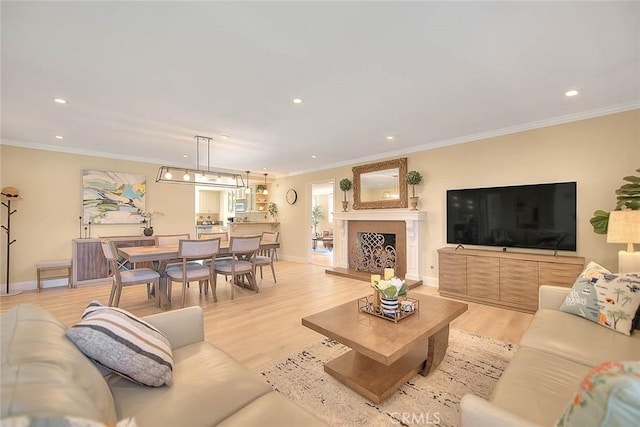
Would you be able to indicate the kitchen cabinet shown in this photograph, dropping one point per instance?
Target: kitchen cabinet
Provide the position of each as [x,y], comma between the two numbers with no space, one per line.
[208,201]
[261,201]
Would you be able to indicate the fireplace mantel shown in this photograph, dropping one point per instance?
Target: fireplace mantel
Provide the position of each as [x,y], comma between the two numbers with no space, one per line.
[412,219]
[381,215]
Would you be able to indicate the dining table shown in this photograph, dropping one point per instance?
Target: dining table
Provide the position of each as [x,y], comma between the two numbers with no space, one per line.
[161,256]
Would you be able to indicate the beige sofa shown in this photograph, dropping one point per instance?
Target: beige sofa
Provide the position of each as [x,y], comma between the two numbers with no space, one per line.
[556,352]
[44,375]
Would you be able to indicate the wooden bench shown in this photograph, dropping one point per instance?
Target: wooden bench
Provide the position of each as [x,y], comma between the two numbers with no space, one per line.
[56,266]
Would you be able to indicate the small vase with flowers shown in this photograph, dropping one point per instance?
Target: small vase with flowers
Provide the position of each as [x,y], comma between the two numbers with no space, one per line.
[389,290]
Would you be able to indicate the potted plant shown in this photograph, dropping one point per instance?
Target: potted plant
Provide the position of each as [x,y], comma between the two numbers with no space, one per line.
[390,290]
[628,196]
[414,178]
[345,185]
[146,220]
[316,216]
[273,210]
[260,188]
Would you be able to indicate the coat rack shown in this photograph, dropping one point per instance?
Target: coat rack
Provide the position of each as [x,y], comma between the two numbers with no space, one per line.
[9,194]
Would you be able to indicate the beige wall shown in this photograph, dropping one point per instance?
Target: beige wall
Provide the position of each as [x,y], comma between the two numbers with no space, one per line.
[597,153]
[47,217]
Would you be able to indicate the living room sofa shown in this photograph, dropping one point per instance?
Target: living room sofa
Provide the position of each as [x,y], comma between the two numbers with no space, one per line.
[556,353]
[44,375]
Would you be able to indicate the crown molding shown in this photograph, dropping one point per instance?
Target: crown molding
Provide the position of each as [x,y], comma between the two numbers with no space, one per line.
[620,108]
[102,154]
[70,150]
[366,159]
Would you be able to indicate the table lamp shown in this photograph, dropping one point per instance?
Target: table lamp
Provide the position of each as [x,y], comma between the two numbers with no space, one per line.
[624,227]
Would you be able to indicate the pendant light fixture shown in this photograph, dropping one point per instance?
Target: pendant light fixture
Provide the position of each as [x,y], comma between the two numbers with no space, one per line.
[247,190]
[208,177]
[265,191]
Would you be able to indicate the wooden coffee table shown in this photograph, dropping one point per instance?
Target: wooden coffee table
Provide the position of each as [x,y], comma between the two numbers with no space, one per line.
[384,355]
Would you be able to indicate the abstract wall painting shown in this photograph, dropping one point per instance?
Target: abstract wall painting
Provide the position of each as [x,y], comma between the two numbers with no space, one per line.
[113,197]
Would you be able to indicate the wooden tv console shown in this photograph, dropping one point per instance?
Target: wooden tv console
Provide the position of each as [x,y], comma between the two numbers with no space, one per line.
[503,279]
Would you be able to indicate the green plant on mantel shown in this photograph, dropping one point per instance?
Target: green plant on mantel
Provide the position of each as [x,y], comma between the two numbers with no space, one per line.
[413,178]
[345,185]
[628,196]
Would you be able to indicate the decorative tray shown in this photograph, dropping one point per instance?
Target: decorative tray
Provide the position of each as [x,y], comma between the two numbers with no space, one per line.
[406,307]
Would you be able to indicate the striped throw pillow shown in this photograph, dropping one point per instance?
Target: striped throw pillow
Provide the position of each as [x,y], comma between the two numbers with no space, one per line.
[124,343]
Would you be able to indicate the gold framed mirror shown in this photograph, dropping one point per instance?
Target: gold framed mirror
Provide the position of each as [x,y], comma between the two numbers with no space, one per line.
[380,185]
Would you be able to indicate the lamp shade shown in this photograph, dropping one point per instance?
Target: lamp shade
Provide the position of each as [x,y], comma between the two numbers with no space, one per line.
[624,227]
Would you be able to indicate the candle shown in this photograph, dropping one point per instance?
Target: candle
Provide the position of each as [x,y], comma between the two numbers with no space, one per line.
[375,278]
[388,273]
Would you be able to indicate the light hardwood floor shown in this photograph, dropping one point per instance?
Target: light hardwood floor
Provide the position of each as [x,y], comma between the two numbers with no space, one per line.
[321,257]
[258,328]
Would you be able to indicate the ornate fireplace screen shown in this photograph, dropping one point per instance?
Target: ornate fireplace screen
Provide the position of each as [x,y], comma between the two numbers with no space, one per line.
[370,253]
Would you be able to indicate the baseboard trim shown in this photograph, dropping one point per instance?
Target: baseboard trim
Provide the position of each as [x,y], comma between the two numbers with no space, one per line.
[31,285]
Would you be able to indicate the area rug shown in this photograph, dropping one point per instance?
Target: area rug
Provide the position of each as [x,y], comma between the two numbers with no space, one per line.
[473,364]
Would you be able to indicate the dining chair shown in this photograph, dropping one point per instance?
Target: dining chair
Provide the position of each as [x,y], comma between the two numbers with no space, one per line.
[170,239]
[243,250]
[224,236]
[187,271]
[136,276]
[265,256]
[271,237]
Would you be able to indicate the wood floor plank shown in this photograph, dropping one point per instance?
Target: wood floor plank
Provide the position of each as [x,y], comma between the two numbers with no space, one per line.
[257,328]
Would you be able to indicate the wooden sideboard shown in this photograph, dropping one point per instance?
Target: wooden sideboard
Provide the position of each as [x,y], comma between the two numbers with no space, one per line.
[90,267]
[504,279]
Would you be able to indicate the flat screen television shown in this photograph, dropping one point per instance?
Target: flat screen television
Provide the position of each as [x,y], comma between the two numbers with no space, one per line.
[541,216]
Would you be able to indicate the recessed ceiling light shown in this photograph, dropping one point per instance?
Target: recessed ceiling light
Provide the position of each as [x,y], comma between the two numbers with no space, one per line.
[297,100]
[314,156]
[390,138]
[185,156]
[264,169]
[571,92]
[59,137]
[60,100]
[224,136]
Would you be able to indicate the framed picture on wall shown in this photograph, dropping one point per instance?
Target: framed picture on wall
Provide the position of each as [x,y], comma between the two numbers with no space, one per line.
[113,197]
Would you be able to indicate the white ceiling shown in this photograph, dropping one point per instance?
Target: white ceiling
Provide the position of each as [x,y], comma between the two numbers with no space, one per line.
[143,78]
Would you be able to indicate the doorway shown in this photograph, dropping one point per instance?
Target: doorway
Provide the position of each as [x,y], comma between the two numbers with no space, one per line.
[321,236]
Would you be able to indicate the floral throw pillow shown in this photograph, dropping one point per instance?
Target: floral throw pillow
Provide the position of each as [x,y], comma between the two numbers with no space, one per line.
[609,395]
[611,300]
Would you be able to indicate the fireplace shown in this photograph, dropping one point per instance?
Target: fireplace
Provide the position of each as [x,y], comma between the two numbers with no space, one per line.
[373,252]
[403,225]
